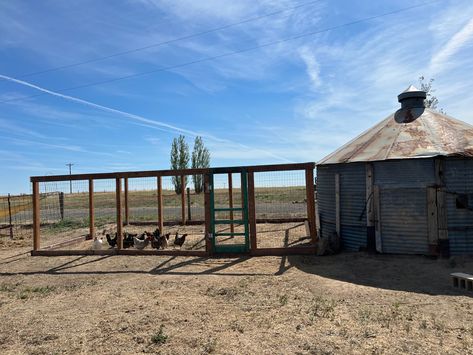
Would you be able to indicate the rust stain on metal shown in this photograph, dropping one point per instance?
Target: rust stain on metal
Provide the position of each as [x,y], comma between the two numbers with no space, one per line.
[409,133]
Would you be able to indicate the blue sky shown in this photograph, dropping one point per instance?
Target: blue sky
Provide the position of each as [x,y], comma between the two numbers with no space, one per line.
[293,101]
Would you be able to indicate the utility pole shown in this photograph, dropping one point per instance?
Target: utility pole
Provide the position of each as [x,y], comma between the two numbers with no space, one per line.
[70,173]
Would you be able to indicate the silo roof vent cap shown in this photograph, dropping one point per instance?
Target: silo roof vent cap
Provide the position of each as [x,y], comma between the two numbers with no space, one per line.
[411,93]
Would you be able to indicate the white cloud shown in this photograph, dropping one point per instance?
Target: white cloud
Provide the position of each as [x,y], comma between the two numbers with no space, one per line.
[312,66]
[461,38]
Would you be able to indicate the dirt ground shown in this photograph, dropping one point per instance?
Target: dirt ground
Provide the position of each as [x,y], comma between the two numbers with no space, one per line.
[349,303]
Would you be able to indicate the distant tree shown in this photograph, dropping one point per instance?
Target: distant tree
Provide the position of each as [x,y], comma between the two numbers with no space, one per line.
[431,101]
[200,159]
[179,160]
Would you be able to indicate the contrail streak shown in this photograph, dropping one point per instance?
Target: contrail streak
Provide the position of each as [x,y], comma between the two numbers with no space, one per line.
[156,124]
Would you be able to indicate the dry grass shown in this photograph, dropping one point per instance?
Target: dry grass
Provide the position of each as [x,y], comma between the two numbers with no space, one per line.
[349,303]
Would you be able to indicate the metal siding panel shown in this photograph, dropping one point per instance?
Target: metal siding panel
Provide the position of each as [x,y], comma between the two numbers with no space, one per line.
[352,206]
[326,199]
[404,226]
[352,203]
[404,173]
[459,179]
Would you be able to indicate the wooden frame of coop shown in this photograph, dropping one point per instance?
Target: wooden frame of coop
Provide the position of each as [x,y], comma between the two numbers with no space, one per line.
[248,211]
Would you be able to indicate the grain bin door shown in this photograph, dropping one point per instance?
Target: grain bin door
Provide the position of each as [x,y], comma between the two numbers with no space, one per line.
[403,222]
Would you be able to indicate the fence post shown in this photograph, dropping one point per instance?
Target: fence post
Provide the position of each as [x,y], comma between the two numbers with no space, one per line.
[189,216]
[230,201]
[252,210]
[310,197]
[207,187]
[91,209]
[126,201]
[36,217]
[183,199]
[160,203]
[61,205]
[10,218]
[119,213]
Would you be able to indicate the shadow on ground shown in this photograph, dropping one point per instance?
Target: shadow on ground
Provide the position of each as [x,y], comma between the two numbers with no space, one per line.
[391,272]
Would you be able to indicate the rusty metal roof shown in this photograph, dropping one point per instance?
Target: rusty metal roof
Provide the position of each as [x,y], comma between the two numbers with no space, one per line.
[408,133]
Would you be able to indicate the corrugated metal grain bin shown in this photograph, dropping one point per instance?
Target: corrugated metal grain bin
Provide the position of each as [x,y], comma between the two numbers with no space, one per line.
[404,186]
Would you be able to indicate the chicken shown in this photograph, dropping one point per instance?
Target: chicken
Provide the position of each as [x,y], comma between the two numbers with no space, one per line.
[164,240]
[97,244]
[128,241]
[160,241]
[179,240]
[112,241]
[139,243]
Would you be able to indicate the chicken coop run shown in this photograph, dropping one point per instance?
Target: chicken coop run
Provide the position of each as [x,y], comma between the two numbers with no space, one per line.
[252,210]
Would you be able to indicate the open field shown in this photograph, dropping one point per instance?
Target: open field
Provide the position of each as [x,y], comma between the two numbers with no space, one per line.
[349,303]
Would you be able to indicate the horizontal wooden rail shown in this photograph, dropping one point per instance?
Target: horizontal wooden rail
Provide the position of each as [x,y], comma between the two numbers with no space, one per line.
[154,173]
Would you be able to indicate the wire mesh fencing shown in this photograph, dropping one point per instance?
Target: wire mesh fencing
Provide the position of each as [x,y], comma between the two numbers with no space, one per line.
[281,197]
[16,213]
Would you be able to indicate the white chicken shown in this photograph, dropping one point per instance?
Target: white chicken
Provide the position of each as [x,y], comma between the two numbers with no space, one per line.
[141,244]
[97,243]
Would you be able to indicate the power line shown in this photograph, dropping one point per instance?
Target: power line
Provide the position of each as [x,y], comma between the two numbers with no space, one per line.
[154,45]
[209,58]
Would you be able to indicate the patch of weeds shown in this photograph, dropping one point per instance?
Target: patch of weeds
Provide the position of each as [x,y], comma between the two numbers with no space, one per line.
[369,334]
[67,224]
[283,300]
[226,292]
[423,324]
[236,327]
[43,290]
[321,308]
[365,315]
[23,295]
[7,287]
[159,337]
[407,328]
[438,325]
[210,346]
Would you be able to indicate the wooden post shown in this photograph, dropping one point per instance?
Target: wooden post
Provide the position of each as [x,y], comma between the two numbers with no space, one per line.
[369,206]
[10,225]
[183,199]
[119,213]
[251,210]
[61,205]
[230,201]
[432,220]
[369,196]
[189,216]
[207,187]
[337,204]
[160,203]
[36,217]
[126,201]
[310,197]
[91,209]
[377,219]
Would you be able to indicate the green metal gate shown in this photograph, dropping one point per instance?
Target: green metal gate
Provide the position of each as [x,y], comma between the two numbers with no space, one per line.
[224,241]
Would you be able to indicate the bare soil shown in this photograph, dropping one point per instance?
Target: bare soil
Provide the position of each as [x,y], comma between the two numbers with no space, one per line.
[353,303]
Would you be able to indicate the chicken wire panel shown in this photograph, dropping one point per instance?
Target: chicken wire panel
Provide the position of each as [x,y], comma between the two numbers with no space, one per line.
[64,211]
[143,200]
[16,214]
[280,196]
[172,199]
[105,202]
